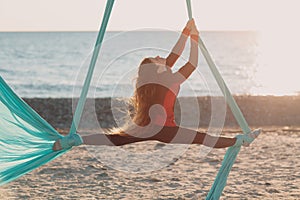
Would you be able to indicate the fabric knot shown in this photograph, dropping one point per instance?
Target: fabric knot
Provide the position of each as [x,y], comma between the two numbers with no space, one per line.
[247,139]
[71,140]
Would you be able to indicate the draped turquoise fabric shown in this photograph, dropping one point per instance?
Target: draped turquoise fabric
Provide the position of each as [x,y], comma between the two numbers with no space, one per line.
[26,139]
[232,152]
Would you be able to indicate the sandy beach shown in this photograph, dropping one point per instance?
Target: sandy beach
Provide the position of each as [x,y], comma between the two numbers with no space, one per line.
[268,169]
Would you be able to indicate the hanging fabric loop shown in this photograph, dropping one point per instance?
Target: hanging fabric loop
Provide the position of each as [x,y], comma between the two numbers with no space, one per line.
[87,82]
[232,152]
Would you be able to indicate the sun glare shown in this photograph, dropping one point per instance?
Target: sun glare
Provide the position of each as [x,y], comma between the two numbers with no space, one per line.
[278,64]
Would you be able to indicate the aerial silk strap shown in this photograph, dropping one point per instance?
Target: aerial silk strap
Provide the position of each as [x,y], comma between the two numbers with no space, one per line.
[87,82]
[232,152]
[26,139]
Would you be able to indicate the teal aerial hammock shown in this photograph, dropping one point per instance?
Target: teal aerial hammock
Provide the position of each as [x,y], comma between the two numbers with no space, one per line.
[26,139]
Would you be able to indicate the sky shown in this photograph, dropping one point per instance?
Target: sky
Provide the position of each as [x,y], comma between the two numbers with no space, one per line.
[85,15]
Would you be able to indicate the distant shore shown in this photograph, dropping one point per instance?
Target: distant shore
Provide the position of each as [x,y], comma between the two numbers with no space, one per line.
[258,111]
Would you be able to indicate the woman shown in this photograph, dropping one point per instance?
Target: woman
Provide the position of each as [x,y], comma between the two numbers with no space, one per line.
[153,101]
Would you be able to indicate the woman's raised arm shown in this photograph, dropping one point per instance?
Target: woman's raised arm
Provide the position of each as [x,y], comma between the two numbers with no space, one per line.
[180,44]
[190,66]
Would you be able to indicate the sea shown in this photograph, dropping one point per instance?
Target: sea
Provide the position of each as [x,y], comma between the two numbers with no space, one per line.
[54,64]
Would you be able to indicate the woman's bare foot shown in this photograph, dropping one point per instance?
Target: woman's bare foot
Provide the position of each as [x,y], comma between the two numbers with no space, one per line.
[56,146]
[247,139]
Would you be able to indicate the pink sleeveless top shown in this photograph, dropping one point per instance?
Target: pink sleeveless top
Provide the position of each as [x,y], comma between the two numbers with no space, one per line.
[171,81]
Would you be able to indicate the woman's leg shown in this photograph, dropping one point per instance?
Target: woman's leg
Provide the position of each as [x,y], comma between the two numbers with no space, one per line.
[131,136]
[179,135]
